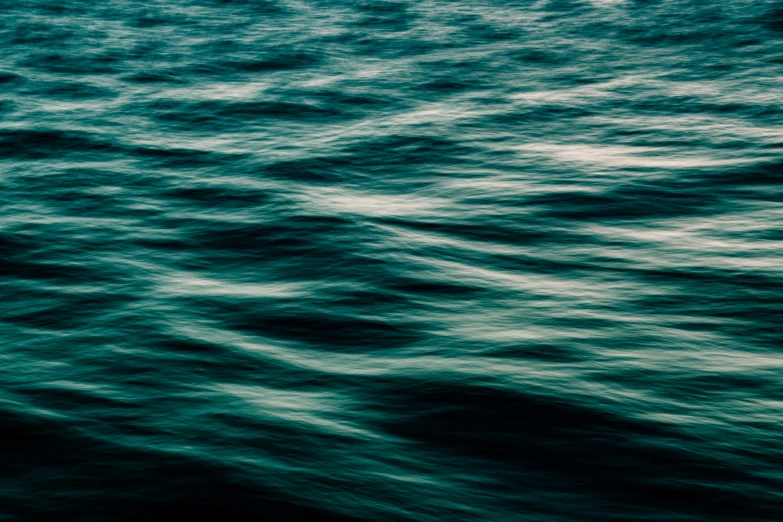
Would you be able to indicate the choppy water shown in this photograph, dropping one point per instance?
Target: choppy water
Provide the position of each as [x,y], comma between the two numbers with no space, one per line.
[409,261]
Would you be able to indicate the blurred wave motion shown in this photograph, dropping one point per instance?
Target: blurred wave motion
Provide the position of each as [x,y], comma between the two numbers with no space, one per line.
[436,260]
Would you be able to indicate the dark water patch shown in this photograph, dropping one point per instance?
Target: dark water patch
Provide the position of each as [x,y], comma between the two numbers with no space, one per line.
[174,158]
[536,56]
[385,47]
[446,85]
[773,20]
[226,498]
[26,33]
[732,280]
[256,237]
[631,202]
[72,91]
[407,150]
[152,77]
[143,490]
[218,115]
[385,15]
[766,174]
[280,109]
[7,107]
[310,170]
[574,441]
[9,77]
[12,245]
[351,99]
[544,113]
[76,400]
[514,233]
[25,270]
[492,33]
[209,361]
[330,331]
[376,300]
[79,180]
[684,104]
[317,248]
[541,352]
[434,289]
[706,386]
[384,6]
[76,203]
[47,144]
[30,439]
[254,6]
[219,196]
[67,63]
[278,61]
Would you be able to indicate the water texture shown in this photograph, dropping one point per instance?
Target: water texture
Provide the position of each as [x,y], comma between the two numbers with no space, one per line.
[480,260]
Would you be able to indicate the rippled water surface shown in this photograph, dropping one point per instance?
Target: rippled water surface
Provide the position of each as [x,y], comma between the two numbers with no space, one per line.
[480,260]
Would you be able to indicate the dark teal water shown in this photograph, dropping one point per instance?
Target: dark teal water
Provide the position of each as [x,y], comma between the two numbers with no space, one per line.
[472,260]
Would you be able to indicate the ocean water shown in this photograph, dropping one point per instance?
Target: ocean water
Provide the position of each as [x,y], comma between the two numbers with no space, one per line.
[357,260]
